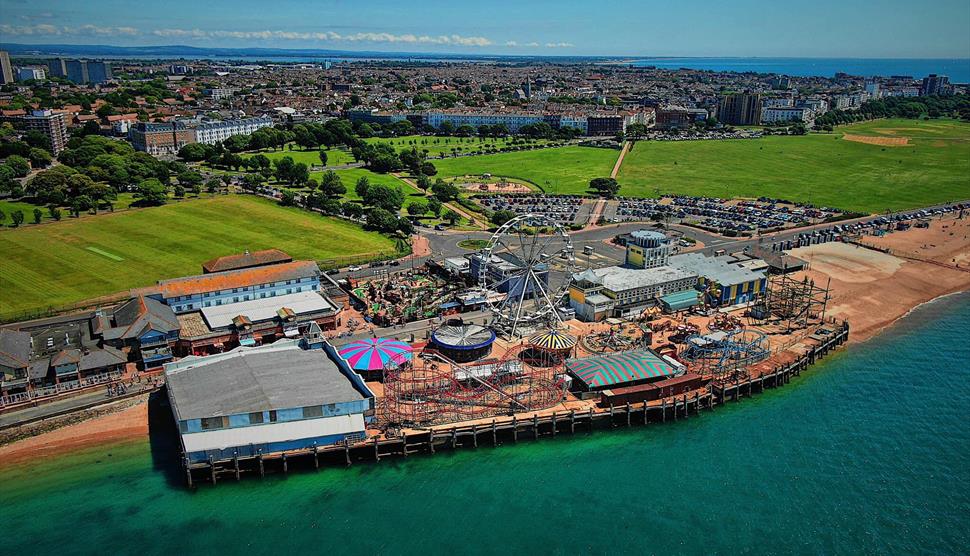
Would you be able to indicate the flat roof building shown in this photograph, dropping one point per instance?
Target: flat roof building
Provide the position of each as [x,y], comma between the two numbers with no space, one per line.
[266,400]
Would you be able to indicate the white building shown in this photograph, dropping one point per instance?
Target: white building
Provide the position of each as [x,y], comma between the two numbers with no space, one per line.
[511,120]
[23,74]
[218,94]
[266,399]
[210,133]
[787,114]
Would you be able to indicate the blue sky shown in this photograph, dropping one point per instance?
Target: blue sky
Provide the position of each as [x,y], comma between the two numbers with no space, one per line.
[821,28]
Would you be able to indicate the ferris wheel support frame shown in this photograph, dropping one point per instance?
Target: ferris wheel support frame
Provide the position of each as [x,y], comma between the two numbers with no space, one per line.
[532,246]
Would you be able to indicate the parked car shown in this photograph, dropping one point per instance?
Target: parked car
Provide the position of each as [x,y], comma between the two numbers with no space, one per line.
[353,268]
[333,271]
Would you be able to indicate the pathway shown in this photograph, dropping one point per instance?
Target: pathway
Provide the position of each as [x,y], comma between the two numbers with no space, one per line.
[619,160]
[453,206]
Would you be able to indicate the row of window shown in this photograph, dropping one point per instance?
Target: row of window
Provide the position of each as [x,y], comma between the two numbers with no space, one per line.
[237,299]
[256,418]
[243,289]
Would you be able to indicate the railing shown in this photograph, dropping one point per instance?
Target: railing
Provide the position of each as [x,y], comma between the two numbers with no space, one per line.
[57,389]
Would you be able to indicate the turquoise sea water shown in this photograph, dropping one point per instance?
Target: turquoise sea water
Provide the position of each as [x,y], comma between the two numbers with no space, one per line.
[867,453]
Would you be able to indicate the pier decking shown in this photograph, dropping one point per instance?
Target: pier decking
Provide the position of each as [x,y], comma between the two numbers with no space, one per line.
[513,428]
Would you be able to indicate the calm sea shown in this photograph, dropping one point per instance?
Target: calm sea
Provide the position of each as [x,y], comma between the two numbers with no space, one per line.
[869,453]
[958,69]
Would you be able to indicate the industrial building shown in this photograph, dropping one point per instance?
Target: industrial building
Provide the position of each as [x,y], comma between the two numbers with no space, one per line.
[264,400]
[623,291]
[725,280]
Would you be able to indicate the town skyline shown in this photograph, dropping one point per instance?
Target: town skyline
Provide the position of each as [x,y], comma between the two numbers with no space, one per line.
[505,28]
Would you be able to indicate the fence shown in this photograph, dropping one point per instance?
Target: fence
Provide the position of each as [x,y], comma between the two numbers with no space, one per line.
[57,389]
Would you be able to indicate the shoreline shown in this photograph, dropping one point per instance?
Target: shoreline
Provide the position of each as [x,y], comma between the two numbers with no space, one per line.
[854,271]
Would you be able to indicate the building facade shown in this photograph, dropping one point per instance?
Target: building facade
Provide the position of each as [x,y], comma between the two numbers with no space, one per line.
[6,69]
[740,109]
[265,400]
[50,123]
[160,138]
[24,74]
[210,133]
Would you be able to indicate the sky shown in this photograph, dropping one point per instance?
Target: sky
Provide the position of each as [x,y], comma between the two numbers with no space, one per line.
[822,28]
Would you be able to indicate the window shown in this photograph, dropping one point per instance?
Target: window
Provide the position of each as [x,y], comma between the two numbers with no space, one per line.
[312,411]
[256,418]
[272,416]
[212,423]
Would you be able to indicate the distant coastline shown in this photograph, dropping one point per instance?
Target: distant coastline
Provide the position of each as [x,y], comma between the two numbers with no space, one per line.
[958,69]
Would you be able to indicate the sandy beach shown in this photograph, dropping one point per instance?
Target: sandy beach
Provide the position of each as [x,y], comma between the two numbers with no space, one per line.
[869,288]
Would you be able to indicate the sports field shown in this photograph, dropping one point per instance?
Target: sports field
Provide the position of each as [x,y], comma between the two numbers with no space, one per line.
[555,170]
[932,167]
[65,262]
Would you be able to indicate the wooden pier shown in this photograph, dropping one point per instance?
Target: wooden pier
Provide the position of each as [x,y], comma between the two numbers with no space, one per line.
[512,428]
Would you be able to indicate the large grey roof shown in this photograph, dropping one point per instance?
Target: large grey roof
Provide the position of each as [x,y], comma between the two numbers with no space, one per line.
[621,278]
[718,269]
[14,348]
[245,380]
[139,313]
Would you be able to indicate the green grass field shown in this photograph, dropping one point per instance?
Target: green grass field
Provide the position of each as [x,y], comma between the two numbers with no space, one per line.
[335,156]
[823,169]
[555,170]
[73,260]
[442,145]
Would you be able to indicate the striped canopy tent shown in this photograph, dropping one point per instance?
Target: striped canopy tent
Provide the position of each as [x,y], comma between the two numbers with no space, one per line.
[374,354]
[625,368]
[553,340]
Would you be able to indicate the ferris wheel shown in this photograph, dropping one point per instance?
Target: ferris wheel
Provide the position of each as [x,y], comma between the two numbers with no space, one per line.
[524,272]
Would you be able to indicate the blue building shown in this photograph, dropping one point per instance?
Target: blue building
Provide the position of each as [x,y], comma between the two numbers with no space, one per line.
[266,399]
[724,280]
[193,293]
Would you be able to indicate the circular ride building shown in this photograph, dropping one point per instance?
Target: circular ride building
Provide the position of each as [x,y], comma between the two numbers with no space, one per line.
[463,342]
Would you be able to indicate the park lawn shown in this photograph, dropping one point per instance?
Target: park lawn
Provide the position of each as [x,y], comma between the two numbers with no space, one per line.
[561,170]
[438,145]
[123,202]
[942,129]
[335,156]
[822,169]
[350,176]
[52,265]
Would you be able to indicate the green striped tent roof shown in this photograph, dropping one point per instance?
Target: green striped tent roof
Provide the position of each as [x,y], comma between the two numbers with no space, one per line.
[680,300]
[620,368]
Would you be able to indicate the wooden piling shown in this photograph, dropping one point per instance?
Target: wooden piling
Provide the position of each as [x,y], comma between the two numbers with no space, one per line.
[475,436]
[377,449]
[235,464]
[494,434]
[404,443]
[535,426]
[347,452]
[262,469]
[316,456]
[286,467]
[188,471]
[572,421]
[212,470]
[628,423]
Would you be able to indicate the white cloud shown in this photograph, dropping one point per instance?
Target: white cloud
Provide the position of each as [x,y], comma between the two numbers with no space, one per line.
[511,43]
[44,29]
[559,45]
[330,36]
[327,36]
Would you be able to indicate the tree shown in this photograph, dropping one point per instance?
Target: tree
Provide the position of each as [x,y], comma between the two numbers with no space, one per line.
[500,217]
[37,140]
[3,216]
[405,226]
[424,183]
[213,185]
[190,178]
[428,169]
[151,192]
[385,197]
[17,217]
[194,152]
[381,220]
[417,208]
[444,191]
[283,168]
[19,164]
[434,205]
[352,210]
[361,187]
[8,181]
[178,191]
[50,186]
[287,198]
[331,185]
[607,187]
[236,143]
[451,217]
[38,214]
[55,213]
[39,158]
[323,157]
